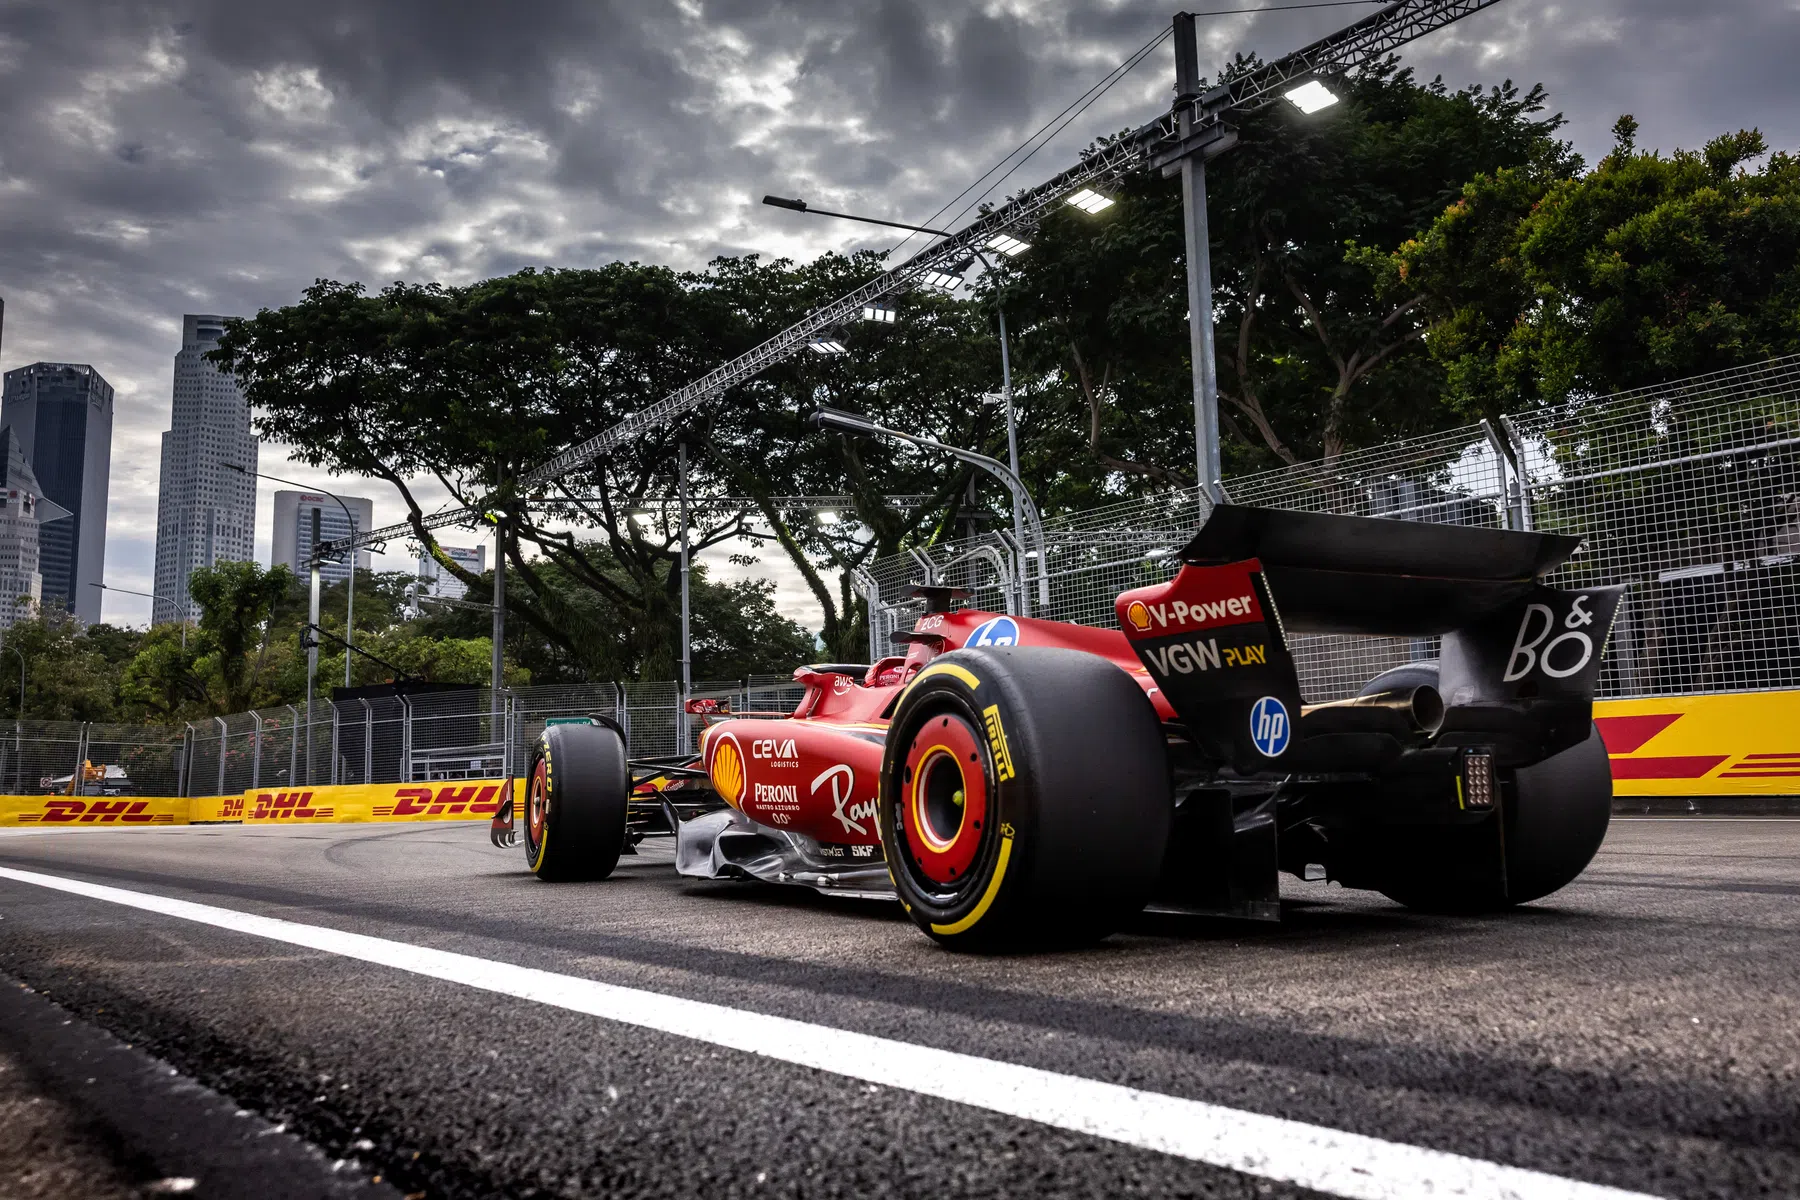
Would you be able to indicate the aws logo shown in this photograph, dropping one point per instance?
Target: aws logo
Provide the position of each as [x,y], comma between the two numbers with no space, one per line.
[727,769]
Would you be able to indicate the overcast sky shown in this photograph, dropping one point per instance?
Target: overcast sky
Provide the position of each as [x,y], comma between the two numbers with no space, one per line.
[219,155]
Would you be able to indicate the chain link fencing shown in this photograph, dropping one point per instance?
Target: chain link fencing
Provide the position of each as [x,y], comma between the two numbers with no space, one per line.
[1688,493]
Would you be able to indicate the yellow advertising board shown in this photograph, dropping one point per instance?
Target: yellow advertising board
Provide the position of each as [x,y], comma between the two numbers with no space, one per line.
[1735,744]
[1732,744]
[458,800]
[93,812]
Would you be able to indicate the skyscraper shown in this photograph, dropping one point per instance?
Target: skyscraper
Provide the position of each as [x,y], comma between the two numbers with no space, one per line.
[62,415]
[292,545]
[205,513]
[22,513]
[439,582]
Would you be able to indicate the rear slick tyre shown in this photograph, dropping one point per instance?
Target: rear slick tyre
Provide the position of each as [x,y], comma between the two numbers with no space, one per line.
[1025,798]
[576,791]
[1556,816]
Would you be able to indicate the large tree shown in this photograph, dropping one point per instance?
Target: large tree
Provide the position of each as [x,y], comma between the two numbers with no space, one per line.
[1540,288]
[1312,357]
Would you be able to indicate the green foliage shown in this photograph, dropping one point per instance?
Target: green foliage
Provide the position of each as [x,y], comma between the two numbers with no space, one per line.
[1644,270]
[70,673]
[1312,357]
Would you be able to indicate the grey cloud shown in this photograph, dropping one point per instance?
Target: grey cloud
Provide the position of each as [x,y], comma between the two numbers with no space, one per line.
[168,156]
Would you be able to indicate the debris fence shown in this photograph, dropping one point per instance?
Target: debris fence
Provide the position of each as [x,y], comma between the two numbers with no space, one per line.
[1688,493]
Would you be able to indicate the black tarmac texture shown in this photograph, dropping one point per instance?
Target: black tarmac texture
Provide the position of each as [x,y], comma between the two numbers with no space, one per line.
[1640,1028]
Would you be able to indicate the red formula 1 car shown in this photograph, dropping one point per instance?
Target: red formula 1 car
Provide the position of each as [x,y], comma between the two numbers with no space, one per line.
[1018,781]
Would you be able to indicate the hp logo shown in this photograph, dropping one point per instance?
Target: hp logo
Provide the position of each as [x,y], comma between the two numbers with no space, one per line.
[1269,726]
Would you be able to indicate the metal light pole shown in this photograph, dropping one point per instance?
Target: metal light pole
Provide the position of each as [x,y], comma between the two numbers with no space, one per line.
[350,596]
[498,630]
[1199,264]
[1012,423]
[832,418]
[687,648]
[181,608]
[312,638]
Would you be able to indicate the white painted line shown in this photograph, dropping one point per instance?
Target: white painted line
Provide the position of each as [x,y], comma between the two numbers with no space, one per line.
[1310,1156]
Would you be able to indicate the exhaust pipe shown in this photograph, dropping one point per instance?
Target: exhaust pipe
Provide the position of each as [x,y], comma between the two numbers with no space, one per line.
[1422,707]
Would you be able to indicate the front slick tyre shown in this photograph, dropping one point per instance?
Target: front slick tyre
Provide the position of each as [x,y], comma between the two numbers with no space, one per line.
[575,796]
[1024,798]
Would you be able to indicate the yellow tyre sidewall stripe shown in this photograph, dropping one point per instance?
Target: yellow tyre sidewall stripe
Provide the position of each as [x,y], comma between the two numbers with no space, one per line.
[987,897]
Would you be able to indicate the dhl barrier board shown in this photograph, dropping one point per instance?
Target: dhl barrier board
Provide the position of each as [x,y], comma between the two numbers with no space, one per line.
[1738,744]
[93,812]
[462,800]
[1734,744]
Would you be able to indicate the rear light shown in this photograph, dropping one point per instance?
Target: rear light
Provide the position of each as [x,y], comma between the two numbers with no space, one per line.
[1476,788]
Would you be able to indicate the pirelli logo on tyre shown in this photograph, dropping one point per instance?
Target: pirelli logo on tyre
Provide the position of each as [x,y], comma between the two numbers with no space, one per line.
[996,733]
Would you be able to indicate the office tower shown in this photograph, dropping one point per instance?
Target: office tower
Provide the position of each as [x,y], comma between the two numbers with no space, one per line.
[22,511]
[205,512]
[436,581]
[292,544]
[62,417]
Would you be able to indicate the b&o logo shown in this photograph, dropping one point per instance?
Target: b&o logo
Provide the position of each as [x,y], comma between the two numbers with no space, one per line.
[1270,727]
[1564,655]
[1001,631]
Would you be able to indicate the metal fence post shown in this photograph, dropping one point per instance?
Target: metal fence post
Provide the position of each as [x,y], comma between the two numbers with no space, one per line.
[255,751]
[406,739]
[293,745]
[334,741]
[223,730]
[368,742]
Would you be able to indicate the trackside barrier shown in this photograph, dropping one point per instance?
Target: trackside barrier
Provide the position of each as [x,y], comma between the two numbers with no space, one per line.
[463,800]
[1731,744]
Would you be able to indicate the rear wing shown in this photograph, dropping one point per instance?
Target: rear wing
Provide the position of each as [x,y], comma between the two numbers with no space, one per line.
[1518,660]
[1377,575]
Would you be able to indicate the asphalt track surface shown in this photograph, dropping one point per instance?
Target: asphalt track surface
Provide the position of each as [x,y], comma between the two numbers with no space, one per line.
[1640,1029]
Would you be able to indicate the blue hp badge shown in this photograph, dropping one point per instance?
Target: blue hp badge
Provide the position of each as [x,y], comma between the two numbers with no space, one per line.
[1269,727]
[1001,631]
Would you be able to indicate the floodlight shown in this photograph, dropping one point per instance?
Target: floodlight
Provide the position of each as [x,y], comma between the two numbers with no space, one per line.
[1311,96]
[944,281]
[1090,201]
[825,346]
[827,517]
[1008,245]
[881,314]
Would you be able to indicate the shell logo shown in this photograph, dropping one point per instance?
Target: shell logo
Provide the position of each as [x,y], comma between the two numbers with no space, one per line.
[727,770]
[1138,614]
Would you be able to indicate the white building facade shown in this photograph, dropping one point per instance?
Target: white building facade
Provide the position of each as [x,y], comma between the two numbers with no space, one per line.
[205,513]
[292,543]
[435,581]
[22,510]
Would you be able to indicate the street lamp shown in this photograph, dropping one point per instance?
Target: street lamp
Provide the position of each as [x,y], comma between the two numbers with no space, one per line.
[831,418]
[1310,97]
[350,597]
[946,281]
[181,608]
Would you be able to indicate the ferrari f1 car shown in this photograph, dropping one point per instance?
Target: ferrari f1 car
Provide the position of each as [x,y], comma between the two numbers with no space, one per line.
[1017,781]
